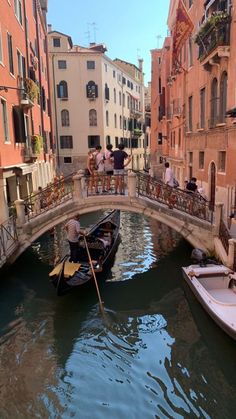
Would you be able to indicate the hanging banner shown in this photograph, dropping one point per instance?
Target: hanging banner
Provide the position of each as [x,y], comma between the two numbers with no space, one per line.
[183,27]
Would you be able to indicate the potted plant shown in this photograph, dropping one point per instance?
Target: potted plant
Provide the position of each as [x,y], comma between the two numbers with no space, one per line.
[31,89]
[37,144]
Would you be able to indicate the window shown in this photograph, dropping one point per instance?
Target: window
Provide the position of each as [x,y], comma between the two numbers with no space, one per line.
[223,96]
[128,102]
[190,113]
[92,90]
[108,139]
[114,74]
[66,141]
[179,137]
[67,160]
[221,161]
[34,8]
[105,65]
[190,52]
[107,94]
[190,157]
[93,141]
[10,53]
[202,107]
[62,64]
[107,118]
[116,142]
[124,123]
[120,122]
[62,90]
[190,3]
[201,159]
[90,65]
[65,118]
[123,99]
[5,121]
[18,10]
[56,42]
[19,124]
[114,94]
[119,98]
[1,52]
[214,103]
[115,120]
[21,64]
[123,80]
[92,118]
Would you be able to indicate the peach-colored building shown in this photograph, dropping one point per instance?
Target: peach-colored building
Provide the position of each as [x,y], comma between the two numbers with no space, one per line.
[198,139]
[25,127]
[94,101]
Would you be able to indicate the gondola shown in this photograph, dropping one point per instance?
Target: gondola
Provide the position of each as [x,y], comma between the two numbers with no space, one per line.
[102,242]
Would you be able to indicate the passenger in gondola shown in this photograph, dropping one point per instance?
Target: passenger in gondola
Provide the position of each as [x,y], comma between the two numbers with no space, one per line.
[73,231]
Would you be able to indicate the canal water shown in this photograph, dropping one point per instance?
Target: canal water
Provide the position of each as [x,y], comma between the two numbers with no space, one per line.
[156,354]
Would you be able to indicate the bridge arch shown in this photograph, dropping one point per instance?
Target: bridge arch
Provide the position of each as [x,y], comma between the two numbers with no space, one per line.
[196,232]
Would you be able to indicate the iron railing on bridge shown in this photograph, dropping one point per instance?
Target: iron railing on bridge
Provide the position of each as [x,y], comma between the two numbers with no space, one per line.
[179,199]
[8,238]
[49,197]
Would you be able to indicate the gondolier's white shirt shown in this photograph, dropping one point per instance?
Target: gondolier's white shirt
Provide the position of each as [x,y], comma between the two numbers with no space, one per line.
[73,230]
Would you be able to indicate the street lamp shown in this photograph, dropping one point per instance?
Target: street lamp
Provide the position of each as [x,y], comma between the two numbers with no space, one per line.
[6,88]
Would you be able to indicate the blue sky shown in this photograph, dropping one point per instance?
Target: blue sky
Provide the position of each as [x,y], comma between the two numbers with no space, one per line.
[129,28]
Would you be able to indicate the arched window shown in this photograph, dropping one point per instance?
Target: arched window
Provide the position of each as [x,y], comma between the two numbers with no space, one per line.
[92,90]
[115,120]
[65,118]
[114,93]
[107,94]
[62,90]
[92,118]
[214,100]
[107,119]
[223,96]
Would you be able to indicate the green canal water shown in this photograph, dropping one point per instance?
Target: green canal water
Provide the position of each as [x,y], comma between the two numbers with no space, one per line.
[156,354]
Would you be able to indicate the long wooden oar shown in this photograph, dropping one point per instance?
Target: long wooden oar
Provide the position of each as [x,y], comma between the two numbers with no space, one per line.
[94,277]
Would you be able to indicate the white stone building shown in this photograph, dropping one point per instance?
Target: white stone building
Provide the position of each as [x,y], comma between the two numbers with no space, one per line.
[94,101]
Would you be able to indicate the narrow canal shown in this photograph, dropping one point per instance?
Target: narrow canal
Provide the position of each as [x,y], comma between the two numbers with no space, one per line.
[155,355]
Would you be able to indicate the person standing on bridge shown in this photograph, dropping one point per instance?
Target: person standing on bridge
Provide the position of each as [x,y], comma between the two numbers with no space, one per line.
[119,157]
[169,175]
[73,231]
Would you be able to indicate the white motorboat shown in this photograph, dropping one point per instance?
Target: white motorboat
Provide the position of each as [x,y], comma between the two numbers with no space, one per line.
[215,288]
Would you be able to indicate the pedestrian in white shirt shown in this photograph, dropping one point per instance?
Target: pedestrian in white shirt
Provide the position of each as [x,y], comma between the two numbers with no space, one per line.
[169,175]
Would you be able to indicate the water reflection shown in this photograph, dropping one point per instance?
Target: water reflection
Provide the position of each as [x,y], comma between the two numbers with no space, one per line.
[156,354]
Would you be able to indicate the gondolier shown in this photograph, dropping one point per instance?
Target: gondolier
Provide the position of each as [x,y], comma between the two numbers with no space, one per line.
[73,231]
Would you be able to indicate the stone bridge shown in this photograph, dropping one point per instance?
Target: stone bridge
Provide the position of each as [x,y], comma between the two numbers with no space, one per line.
[186,214]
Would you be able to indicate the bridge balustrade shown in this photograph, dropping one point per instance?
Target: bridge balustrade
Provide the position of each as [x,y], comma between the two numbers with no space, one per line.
[8,238]
[49,197]
[175,198]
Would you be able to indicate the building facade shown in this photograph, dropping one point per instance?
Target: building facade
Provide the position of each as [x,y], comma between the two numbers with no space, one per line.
[198,85]
[96,101]
[25,128]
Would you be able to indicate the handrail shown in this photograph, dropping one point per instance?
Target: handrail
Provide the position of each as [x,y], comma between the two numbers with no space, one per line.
[8,236]
[174,198]
[51,196]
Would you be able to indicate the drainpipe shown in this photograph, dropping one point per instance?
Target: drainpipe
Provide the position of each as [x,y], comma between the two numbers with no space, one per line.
[27,62]
[55,111]
[40,78]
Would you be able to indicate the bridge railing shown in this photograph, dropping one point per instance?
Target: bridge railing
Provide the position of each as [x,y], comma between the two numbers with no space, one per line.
[49,197]
[8,237]
[191,204]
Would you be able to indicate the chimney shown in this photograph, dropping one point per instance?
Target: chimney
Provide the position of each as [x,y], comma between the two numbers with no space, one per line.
[49,28]
[140,64]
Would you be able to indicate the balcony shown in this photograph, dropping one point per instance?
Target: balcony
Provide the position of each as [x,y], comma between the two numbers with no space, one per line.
[213,39]
[30,92]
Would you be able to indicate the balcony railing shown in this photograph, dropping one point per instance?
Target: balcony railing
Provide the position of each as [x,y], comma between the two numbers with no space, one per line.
[214,33]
